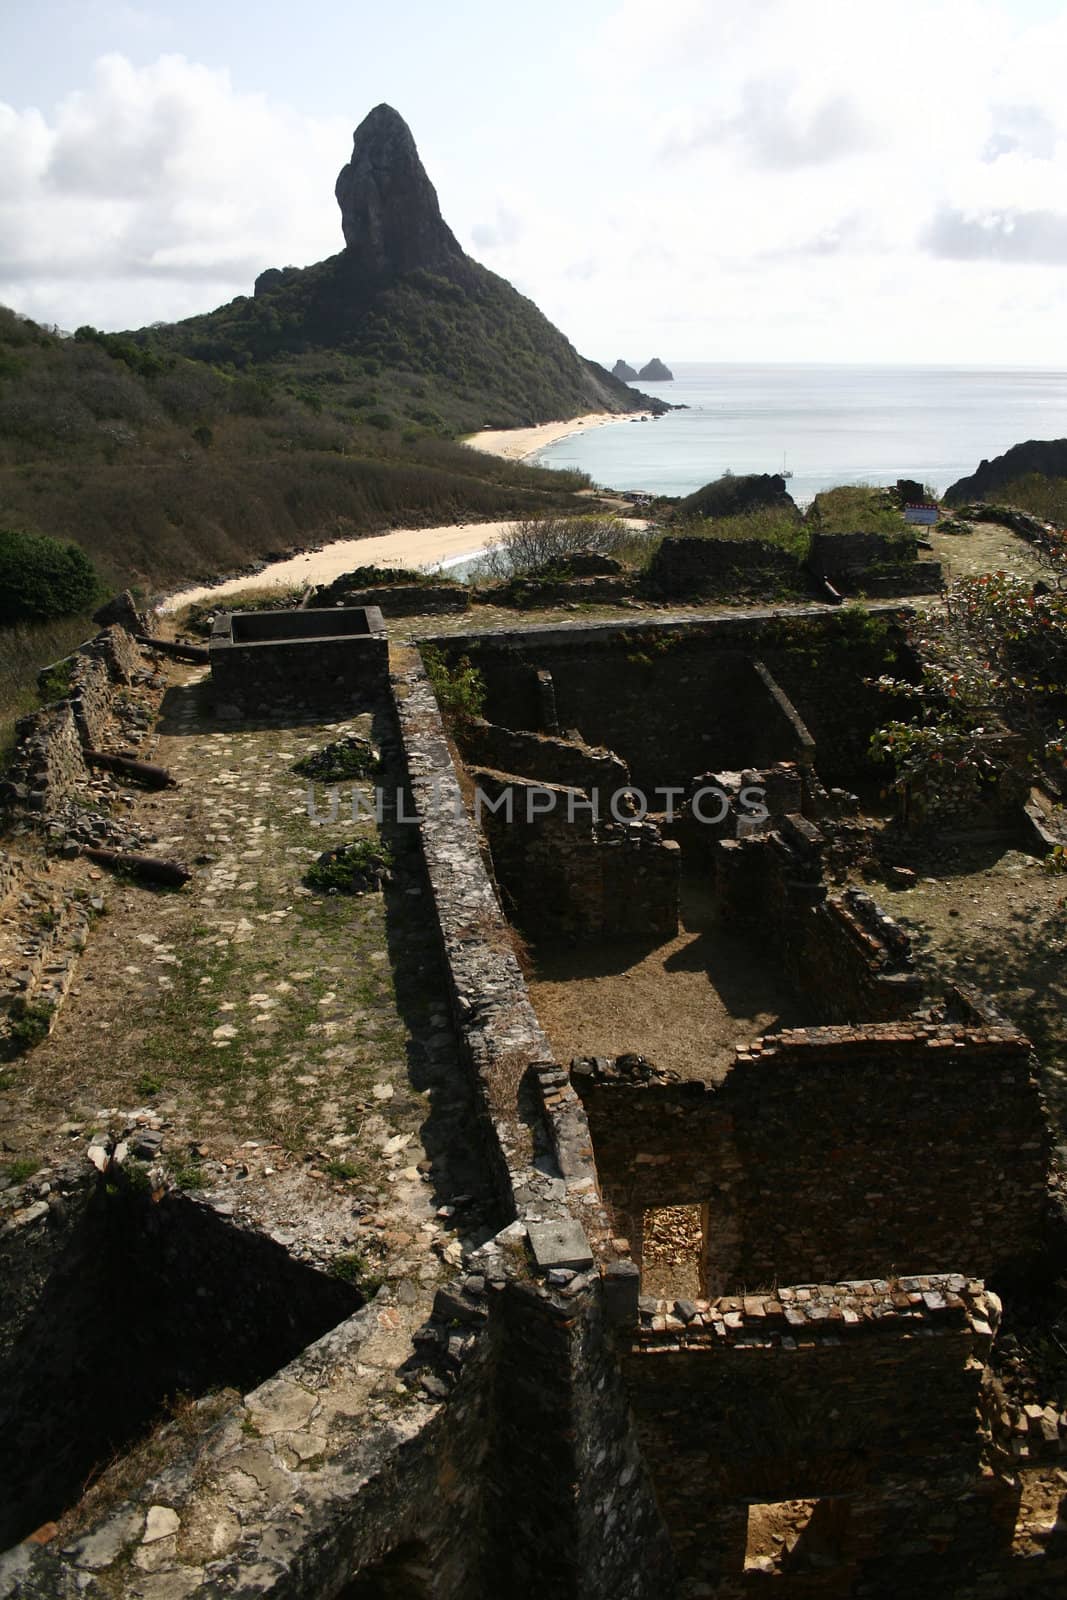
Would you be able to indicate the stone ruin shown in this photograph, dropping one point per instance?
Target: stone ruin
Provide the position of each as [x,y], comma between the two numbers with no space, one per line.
[862,1182]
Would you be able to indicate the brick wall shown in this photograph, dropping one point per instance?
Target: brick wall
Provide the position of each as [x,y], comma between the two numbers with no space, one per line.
[836,1152]
[824,1393]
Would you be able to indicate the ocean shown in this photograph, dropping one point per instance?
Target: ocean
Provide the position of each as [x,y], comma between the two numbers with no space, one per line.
[826,424]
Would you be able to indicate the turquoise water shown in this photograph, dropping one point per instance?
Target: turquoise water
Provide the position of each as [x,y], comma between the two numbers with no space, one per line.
[832,424]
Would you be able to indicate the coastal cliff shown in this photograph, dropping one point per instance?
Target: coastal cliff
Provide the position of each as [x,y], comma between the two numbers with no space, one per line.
[1045,457]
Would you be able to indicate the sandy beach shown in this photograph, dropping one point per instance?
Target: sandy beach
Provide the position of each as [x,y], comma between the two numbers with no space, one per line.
[516,444]
[404,547]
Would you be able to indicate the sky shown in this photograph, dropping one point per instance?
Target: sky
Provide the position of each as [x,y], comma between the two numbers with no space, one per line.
[755,180]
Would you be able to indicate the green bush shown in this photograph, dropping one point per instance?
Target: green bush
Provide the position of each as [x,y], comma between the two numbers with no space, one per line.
[42,578]
[349,757]
[856,508]
[459,689]
[350,869]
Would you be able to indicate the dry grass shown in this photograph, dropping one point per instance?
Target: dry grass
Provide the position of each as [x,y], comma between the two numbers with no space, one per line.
[184,1422]
[23,652]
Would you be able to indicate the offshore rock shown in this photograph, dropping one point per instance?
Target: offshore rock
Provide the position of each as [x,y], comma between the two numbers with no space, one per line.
[656,372]
[622,369]
[390,217]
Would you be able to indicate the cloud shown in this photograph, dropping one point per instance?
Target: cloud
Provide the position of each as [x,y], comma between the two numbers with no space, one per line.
[777,129]
[1027,130]
[499,235]
[848,233]
[1036,238]
[153,183]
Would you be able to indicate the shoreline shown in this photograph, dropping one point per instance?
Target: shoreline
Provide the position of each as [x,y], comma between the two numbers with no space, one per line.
[444,545]
[402,547]
[518,444]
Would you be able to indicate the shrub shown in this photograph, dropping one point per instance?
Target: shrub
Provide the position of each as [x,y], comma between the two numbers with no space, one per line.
[351,869]
[18,1171]
[28,1025]
[350,757]
[538,546]
[353,1268]
[460,689]
[857,508]
[42,578]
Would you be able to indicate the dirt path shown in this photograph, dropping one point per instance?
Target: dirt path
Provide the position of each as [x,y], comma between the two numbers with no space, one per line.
[989,548]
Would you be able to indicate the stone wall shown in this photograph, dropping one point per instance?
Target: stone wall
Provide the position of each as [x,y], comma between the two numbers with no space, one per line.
[53,931]
[46,767]
[844,957]
[91,697]
[536,755]
[399,599]
[570,876]
[263,663]
[111,1303]
[683,568]
[712,709]
[829,1153]
[526,593]
[872,564]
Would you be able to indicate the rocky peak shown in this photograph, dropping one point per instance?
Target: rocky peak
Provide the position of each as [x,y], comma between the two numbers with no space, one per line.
[622,369]
[391,220]
[656,372]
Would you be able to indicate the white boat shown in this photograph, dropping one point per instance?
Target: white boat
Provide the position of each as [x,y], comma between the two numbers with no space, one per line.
[786,472]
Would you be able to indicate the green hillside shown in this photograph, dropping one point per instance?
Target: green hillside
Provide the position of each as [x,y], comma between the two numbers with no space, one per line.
[167,469]
[455,349]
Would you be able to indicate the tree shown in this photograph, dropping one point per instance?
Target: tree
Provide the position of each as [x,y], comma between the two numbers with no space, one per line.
[41,578]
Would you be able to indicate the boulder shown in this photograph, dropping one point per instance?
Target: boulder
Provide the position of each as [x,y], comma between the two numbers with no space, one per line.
[732,496]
